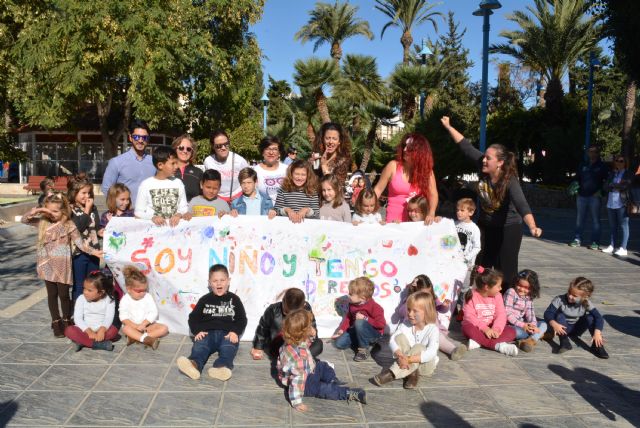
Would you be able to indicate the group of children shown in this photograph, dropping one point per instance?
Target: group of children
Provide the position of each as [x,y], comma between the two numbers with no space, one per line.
[68,250]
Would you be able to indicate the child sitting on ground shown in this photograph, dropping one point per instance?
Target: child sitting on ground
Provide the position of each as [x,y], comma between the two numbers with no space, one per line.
[572,313]
[485,319]
[414,344]
[162,197]
[423,283]
[138,311]
[252,201]
[217,321]
[209,204]
[93,314]
[300,373]
[363,325]
[268,335]
[367,208]
[518,303]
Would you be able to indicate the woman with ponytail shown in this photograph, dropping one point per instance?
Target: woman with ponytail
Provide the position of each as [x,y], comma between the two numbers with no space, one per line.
[503,206]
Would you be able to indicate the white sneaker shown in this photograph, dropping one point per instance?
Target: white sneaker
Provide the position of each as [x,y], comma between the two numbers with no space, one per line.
[508,349]
[473,345]
[608,250]
[621,252]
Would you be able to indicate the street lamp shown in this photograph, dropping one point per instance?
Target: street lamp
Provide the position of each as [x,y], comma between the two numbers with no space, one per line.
[593,64]
[485,11]
[265,105]
[422,56]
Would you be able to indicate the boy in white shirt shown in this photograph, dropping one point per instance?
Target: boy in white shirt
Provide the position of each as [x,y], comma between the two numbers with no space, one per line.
[162,196]
[469,236]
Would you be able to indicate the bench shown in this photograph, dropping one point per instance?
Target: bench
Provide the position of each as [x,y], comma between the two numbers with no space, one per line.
[33,183]
[60,183]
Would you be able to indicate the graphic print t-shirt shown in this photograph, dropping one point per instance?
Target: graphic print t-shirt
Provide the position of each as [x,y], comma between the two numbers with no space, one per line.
[213,312]
[270,181]
[202,207]
[162,198]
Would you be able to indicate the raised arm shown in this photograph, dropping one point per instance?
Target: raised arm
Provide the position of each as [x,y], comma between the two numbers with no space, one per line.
[453,132]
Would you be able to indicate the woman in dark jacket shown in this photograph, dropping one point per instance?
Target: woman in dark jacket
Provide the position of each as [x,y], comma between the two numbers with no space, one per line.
[618,185]
[503,206]
[190,174]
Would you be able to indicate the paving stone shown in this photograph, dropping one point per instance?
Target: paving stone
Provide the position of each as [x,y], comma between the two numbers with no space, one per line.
[505,372]
[176,381]
[467,403]
[19,376]
[7,347]
[255,408]
[36,353]
[90,356]
[549,422]
[69,378]
[41,408]
[112,409]
[327,412]
[119,378]
[532,400]
[394,405]
[251,378]
[139,354]
[185,408]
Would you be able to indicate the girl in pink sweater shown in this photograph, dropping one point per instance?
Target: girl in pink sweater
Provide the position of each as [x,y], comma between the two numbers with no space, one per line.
[485,318]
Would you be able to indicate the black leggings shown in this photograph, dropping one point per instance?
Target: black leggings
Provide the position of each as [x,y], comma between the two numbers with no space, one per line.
[500,249]
[55,291]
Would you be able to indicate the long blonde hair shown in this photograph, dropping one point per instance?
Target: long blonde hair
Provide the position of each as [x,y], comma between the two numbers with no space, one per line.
[44,223]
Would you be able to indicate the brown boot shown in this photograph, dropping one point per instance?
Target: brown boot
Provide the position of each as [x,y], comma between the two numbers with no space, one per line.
[411,381]
[58,328]
[385,376]
[67,322]
[527,344]
[151,342]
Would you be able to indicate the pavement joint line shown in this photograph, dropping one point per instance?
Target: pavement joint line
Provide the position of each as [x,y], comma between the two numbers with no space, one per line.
[22,305]
[220,404]
[164,378]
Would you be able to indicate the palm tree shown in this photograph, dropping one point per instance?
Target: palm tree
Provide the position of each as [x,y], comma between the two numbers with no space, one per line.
[358,84]
[313,76]
[406,14]
[550,40]
[333,24]
[376,113]
[407,81]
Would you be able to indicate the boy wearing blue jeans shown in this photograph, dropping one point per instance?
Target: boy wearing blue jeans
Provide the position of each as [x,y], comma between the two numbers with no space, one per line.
[217,321]
[364,323]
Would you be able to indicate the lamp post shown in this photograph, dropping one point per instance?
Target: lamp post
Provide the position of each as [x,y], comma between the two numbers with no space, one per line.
[422,56]
[593,64]
[265,105]
[485,11]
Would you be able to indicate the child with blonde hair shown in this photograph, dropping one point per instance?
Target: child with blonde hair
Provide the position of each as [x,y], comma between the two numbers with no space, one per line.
[571,314]
[118,204]
[334,207]
[414,344]
[300,373]
[138,311]
[363,324]
[485,319]
[56,232]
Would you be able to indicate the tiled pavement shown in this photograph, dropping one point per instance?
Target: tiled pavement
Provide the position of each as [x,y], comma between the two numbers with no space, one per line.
[43,382]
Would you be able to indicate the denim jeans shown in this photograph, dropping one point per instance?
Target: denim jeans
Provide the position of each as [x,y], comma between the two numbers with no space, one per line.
[591,205]
[358,335]
[322,383]
[619,217]
[522,334]
[584,323]
[213,342]
[83,263]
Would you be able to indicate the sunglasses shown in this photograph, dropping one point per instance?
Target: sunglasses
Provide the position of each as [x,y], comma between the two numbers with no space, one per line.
[222,146]
[137,137]
[185,149]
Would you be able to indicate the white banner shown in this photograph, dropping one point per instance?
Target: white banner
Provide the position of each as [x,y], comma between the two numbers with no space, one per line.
[265,257]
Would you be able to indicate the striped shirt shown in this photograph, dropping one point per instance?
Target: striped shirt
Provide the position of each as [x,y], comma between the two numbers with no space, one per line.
[297,200]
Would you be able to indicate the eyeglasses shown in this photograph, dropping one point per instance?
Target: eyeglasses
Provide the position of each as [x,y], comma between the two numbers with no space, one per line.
[137,137]
[272,149]
[185,149]
[221,146]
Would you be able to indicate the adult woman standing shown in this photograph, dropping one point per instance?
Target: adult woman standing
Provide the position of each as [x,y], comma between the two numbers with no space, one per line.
[185,147]
[503,206]
[332,152]
[410,174]
[227,163]
[271,172]
[618,187]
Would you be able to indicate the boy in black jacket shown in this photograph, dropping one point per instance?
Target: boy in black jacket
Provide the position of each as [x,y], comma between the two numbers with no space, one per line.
[269,332]
[217,321]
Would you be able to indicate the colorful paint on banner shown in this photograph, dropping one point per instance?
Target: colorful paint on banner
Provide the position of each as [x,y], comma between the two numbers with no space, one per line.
[265,257]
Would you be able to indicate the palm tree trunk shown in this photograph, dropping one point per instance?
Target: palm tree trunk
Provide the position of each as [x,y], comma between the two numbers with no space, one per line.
[409,107]
[323,109]
[406,40]
[553,97]
[336,52]
[368,145]
[627,125]
[311,133]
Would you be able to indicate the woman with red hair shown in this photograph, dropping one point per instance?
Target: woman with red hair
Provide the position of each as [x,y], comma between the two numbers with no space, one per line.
[410,174]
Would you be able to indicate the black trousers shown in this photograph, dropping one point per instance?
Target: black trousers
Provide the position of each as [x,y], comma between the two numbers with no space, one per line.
[500,249]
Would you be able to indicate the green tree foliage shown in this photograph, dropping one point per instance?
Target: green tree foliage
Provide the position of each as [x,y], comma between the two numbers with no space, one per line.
[407,14]
[314,75]
[550,39]
[407,81]
[170,62]
[279,93]
[333,24]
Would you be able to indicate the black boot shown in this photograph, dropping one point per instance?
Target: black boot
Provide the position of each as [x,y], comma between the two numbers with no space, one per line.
[58,328]
[599,351]
[105,345]
[565,344]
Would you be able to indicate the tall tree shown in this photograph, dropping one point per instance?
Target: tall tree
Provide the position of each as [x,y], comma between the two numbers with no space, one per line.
[550,39]
[279,94]
[407,81]
[157,60]
[333,24]
[314,75]
[407,14]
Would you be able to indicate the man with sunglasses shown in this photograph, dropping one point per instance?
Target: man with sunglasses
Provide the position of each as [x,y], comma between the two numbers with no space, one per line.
[591,178]
[227,163]
[134,165]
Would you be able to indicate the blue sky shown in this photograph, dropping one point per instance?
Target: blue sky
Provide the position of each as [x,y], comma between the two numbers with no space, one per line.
[283,18]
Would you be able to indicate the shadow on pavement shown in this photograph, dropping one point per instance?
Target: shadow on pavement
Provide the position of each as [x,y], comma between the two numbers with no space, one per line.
[588,383]
[8,409]
[624,324]
[442,416]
